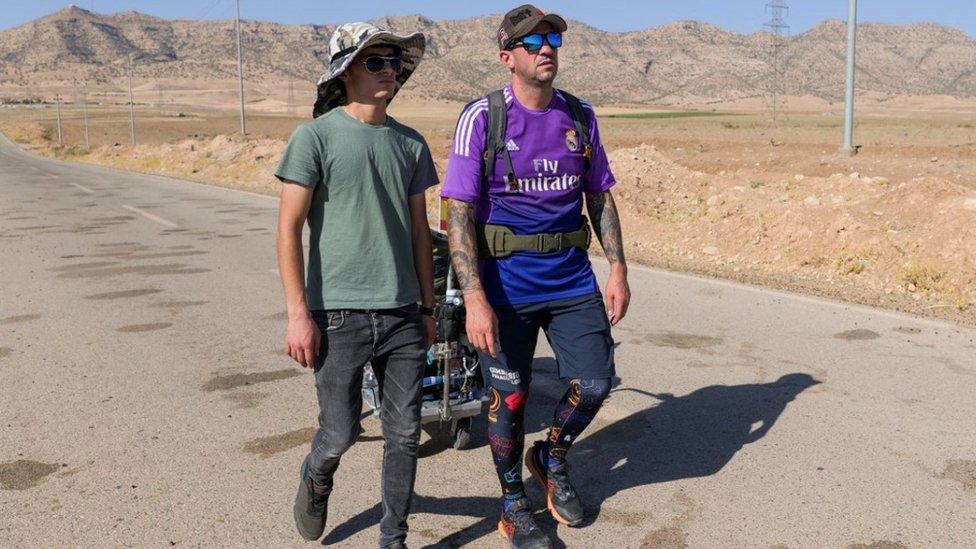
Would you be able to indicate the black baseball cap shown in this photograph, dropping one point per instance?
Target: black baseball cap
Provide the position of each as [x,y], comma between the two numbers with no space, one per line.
[521,20]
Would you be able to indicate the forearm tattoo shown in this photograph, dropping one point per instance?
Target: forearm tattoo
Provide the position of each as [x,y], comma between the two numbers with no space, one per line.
[606,224]
[464,248]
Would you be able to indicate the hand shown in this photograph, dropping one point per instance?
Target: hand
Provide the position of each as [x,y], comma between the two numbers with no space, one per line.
[616,296]
[430,326]
[302,339]
[481,324]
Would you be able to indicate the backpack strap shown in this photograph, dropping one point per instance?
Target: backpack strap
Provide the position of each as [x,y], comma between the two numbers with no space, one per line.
[582,128]
[495,137]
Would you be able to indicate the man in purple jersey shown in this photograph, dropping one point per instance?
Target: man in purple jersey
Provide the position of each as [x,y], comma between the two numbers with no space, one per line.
[518,238]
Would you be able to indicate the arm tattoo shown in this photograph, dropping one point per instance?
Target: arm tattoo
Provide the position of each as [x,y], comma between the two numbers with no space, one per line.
[606,224]
[464,250]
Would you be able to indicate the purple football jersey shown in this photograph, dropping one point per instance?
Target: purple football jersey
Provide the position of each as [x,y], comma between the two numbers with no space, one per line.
[547,197]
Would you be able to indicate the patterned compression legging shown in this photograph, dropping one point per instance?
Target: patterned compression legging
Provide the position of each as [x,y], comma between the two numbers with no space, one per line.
[506,427]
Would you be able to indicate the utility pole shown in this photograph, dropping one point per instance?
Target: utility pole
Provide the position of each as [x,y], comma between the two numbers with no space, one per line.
[57,100]
[778,30]
[132,114]
[849,147]
[30,102]
[240,67]
[291,97]
[84,109]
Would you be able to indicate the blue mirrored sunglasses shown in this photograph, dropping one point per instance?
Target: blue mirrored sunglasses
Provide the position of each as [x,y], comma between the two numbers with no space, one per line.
[533,42]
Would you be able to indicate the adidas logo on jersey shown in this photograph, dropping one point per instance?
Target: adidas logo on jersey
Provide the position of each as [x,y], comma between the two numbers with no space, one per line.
[511,146]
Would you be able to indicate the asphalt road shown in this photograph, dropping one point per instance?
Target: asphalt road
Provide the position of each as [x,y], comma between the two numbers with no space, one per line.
[145,401]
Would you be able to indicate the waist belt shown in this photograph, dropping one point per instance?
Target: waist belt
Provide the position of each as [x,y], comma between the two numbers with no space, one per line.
[495,241]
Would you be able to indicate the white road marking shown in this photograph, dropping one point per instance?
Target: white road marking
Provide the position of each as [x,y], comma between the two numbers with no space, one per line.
[86,189]
[150,216]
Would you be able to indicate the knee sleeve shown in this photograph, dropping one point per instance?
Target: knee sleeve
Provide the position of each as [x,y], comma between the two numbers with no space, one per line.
[593,391]
[574,413]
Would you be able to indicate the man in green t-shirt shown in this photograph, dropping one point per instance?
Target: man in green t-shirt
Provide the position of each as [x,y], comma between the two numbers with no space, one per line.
[358,177]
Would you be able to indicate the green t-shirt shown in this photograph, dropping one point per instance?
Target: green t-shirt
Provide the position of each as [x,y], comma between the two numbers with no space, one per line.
[360,252]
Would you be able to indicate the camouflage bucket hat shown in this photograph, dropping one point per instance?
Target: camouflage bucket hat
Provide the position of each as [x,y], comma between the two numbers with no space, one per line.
[350,39]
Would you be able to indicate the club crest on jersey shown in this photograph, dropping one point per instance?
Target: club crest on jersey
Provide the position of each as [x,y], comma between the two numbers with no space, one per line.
[572,142]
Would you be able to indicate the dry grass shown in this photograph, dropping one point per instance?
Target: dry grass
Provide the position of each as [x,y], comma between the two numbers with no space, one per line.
[856,260]
[933,278]
[26,133]
[923,276]
[684,212]
[851,264]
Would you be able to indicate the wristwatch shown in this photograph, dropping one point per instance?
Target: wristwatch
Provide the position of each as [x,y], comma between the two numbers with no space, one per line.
[429,311]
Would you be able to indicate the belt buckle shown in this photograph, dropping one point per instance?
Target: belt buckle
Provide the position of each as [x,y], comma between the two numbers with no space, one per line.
[545,239]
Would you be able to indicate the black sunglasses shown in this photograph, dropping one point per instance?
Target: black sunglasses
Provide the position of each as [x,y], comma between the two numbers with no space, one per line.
[376,63]
[533,42]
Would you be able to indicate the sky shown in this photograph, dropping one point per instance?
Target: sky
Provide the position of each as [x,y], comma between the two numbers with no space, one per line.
[743,16]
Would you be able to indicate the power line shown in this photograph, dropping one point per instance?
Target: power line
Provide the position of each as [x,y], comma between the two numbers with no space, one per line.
[779,31]
[207,10]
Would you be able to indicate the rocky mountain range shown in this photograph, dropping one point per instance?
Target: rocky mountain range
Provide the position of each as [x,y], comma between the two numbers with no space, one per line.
[679,61]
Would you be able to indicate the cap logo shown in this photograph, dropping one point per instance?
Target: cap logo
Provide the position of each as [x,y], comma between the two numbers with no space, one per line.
[520,16]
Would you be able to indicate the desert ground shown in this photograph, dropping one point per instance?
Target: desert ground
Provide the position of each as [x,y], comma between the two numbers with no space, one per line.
[722,190]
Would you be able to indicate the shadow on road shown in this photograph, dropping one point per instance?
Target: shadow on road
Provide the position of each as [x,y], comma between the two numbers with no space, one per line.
[687,436]
[459,506]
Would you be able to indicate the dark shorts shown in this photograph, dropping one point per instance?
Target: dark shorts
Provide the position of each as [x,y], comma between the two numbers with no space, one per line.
[578,332]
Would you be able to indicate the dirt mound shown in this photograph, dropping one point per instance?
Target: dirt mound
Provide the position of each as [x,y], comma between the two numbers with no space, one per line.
[228,160]
[914,239]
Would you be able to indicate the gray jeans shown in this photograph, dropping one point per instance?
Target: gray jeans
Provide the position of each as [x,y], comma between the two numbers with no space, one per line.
[393,341]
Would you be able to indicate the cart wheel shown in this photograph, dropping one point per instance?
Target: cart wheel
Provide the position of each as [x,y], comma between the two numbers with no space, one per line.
[461,433]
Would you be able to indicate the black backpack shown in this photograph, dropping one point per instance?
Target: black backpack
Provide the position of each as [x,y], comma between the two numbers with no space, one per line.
[498,123]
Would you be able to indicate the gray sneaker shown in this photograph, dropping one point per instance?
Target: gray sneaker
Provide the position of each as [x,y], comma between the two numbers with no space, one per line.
[311,506]
[518,526]
[561,498]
